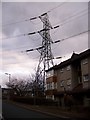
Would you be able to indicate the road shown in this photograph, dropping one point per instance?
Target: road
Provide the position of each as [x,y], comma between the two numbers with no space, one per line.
[11,112]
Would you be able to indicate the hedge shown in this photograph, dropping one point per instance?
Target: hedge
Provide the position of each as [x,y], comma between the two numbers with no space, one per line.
[34,100]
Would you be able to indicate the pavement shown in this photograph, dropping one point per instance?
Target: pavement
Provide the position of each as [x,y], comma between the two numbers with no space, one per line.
[56,111]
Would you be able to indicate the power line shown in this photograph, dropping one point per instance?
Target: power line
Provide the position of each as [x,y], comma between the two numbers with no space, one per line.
[57,7]
[20,35]
[70,37]
[61,40]
[21,21]
[68,20]
[40,30]
[30,19]
[52,28]
[74,15]
[29,61]
[18,63]
[31,33]
[26,45]
[57,41]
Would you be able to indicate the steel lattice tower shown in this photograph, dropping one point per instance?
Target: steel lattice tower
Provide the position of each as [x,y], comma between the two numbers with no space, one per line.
[46,57]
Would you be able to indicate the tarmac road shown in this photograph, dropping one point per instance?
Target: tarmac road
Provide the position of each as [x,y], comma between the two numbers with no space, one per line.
[14,112]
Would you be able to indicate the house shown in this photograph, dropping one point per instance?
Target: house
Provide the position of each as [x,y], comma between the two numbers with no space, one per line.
[7,93]
[51,84]
[72,78]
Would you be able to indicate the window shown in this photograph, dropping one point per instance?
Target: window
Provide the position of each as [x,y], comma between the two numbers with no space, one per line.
[62,83]
[85,77]
[69,82]
[68,67]
[85,61]
[55,85]
[47,86]
[52,85]
[49,73]
[61,70]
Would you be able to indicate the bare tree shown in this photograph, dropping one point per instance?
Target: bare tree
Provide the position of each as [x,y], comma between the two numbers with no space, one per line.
[22,87]
[19,87]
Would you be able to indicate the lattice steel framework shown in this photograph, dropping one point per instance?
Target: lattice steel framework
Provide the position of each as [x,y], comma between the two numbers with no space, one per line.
[46,57]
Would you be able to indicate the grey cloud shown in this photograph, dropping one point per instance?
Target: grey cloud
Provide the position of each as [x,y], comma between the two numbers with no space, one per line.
[13,12]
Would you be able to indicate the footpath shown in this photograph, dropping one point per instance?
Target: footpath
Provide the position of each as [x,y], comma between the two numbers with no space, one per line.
[56,111]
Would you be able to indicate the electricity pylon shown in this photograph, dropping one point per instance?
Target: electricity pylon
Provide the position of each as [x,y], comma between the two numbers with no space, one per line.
[46,57]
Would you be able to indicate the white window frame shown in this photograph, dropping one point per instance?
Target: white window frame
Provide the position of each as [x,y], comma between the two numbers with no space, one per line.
[48,86]
[68,67]
[49,73]
[62,70]
[52,85]
[62,83]
[68,82]
[55,85]
[84,77]
[85,61]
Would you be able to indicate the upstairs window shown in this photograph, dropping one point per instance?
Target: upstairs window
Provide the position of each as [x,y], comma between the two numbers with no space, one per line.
[69,82]
[85,61]
[55,85]
[49,73]
[62,83]
[85,77]
[50,85]
[62,70]
[68,67]
[47,86]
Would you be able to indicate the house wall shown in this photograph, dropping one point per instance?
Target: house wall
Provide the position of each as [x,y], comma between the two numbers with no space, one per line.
[85,63]
[75,76]
[51,79]
[51,84]
[63,75]
[89,69]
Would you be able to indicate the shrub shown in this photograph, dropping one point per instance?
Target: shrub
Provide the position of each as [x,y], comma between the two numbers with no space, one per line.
[34,100]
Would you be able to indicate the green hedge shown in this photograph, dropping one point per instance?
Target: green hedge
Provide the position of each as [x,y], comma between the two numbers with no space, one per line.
[34,100]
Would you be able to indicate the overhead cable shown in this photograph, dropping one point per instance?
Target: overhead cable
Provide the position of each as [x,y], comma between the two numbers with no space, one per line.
[32,18]
[57,41]
[31,33]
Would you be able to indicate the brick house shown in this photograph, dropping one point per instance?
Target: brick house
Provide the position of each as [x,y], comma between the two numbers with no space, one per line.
[72,78]
[51,84]
[7,92]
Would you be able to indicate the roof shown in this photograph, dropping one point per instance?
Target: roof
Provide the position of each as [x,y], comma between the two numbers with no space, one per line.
[6,88]
[73,58]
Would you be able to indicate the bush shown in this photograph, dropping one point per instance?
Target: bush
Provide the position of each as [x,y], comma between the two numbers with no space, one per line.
[34,100]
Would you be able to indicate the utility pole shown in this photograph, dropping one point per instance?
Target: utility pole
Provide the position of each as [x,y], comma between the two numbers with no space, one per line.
[9,76]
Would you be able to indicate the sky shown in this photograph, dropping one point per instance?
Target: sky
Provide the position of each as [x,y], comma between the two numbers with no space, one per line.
[73,18]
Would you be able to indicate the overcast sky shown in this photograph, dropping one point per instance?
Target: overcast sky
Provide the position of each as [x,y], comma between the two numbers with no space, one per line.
[17,63]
